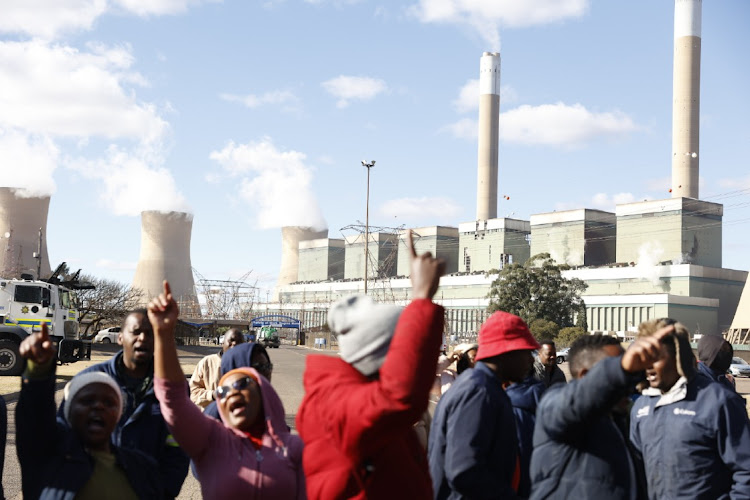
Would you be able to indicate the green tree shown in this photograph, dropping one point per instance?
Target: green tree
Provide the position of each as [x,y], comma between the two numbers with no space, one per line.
[544,329]
[569,335]
[581,320]
[537,289]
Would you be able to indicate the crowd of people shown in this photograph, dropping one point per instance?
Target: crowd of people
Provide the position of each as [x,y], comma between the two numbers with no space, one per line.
[647,422]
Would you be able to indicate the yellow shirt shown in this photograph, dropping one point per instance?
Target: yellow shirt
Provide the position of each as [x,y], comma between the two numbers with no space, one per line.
[108,482]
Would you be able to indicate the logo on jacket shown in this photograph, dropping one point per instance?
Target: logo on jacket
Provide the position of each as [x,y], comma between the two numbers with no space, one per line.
[680,411]
[643,412]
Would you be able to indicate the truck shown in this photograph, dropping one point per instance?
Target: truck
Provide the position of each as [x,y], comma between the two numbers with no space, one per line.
[269,336]
[26,304]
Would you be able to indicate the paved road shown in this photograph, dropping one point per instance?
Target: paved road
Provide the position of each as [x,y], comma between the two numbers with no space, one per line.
[288,361]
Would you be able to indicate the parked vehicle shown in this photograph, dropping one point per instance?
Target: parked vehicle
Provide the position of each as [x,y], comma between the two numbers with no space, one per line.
[25,304]
[562,355]
[739,367]
[108,335]
[270,337]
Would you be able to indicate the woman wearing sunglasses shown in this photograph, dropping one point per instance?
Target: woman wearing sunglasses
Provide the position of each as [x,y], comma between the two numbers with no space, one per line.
[252,452]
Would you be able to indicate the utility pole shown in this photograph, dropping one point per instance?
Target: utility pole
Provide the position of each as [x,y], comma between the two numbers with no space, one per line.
[368,166]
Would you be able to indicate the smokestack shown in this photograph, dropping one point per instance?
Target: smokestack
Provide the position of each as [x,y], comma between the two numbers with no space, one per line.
[489,117]
[20,221]
[686,95]
[165,254]
[290,239]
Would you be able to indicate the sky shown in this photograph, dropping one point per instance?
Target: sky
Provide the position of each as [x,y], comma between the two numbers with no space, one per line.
[256,114]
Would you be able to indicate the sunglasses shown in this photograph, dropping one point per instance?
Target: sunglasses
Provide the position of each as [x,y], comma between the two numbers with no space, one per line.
[223,391]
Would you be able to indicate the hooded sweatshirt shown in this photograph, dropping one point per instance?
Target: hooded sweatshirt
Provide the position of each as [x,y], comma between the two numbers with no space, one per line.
[714,362]
[239,356]
[227,463]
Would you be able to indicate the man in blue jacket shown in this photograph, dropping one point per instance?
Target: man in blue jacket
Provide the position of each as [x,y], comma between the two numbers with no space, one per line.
[473,449]
[142,426]
[579,450]
[693,433]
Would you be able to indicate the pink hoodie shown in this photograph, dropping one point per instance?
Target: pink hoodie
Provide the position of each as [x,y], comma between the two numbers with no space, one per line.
[227,464]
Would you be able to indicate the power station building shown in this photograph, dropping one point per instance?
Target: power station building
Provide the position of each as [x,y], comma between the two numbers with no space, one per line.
[659,258]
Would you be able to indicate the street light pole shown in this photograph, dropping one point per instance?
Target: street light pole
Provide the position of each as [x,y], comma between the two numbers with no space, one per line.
[368,166]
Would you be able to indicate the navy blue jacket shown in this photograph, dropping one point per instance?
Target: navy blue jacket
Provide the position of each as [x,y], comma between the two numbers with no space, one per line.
[54,463]
[524,396]
[722,379]
[579,451]
[473,447]
[697,446]
[143,428]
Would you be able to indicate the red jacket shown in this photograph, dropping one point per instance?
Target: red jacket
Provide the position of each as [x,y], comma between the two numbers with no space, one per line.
[358,432]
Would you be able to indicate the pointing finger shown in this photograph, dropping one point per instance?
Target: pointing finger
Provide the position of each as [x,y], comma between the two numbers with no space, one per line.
[410,244]
[167,288]
[44,334]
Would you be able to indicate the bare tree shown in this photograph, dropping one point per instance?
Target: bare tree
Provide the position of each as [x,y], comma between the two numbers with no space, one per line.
[107,303]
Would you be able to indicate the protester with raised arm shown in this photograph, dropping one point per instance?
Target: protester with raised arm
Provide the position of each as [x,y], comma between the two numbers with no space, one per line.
[357,417]
[75,459]
[141,426]
[252,453]
[580,451]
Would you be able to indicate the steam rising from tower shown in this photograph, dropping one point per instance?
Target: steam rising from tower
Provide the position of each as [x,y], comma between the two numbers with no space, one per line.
[290,239]
[165,255]
[686,95]
[489,117]
[20,221]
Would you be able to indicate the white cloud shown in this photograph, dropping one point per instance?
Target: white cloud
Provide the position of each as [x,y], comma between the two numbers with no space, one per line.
[349,88]
[254,101]
[159,7]
[604,201]
[561,125]
[551,125]
[486,16]
[465,128]
[133,181]
[468,96]
[61,91]
[424,209]
[50,19]
[28,162]
[278,183]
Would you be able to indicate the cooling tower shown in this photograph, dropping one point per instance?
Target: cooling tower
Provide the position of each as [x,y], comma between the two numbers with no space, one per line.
[165,254]
[686,98]
[489,117]
[290,239]
[20,221]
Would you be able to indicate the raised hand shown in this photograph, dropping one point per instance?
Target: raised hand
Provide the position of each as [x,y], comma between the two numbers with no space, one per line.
[645,351]
[38,347]
[425,271]
[163,311]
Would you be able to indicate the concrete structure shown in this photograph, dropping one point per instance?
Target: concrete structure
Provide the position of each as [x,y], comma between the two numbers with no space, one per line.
[382,250]
[20,221]
[165,255]
[440,241]
[489,244]
[686,98]
[489,118]
[679,230]
[739,331]
[291,236]
[581,237]
[617,297]
[321,260]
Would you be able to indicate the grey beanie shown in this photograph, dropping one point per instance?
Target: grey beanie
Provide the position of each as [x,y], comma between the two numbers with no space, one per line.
[364,329]
[82,380]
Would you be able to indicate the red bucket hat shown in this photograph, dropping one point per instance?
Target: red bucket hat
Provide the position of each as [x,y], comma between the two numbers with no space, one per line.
[504,332]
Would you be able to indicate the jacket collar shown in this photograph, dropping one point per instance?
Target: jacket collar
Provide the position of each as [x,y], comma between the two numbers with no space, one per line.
[676,393]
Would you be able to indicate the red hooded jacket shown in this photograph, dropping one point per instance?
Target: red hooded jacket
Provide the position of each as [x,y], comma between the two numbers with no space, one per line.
[358,432]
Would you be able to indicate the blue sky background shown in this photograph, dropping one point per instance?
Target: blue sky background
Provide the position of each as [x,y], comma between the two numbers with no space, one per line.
[256,114]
